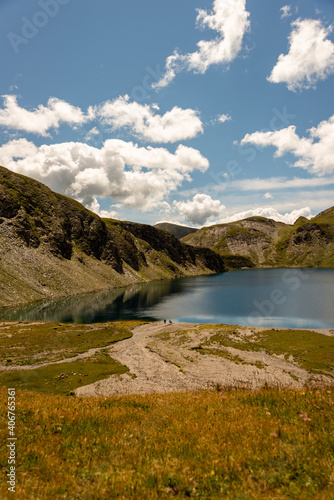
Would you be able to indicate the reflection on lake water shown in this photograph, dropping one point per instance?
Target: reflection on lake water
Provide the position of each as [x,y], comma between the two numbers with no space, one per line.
[290,298]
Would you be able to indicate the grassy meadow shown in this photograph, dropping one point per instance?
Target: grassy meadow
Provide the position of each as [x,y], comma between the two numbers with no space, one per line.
[310,350]
[220,443]
[28,344]
[64,378]
[212,444]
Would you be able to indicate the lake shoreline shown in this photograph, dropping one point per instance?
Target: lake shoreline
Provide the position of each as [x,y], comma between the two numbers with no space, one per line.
[60,296]
[270,297]
[48,300]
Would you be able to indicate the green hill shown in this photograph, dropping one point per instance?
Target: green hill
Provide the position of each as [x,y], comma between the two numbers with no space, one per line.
[51,246]
[307,243]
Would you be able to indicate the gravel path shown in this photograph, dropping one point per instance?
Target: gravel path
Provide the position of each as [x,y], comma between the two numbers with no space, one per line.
[86,354]
[163,358]
[169,363]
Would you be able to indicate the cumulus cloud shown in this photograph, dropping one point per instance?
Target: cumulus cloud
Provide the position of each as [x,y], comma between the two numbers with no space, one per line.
[142,121]
[286,11]
[175,125]
[200,209]
[41,119]
[310,57]
[268,196]
[224,118]
[270,213]
[315,153]
[138,177]
[229,19]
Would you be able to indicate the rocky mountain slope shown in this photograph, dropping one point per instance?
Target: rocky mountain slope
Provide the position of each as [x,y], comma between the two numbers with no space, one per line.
[264,242]
[178,231]
[51,246]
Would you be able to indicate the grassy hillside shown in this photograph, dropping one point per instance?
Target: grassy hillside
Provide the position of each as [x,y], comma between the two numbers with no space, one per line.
[268,243]
[267,444]
[309,243]
[51,246]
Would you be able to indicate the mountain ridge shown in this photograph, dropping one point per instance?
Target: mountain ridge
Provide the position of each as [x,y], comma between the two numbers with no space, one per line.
[268,243]
[52,246]
[178,230]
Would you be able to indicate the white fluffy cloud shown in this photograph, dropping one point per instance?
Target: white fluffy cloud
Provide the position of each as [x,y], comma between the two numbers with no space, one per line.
[286,11]
[138,177]
[315,153]
[141,121]
[310,57]
[270,213]
[200,209]
[229,19]
[41,119]
[224,118]
[175,125]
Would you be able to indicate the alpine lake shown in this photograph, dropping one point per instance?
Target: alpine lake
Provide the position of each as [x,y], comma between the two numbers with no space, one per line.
[275,298]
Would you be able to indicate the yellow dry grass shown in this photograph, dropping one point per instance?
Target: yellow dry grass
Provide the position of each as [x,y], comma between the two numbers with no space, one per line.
[265,444]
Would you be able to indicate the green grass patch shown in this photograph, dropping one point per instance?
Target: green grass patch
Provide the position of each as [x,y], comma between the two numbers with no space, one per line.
[222,353]
[64,377]
[30,343]
[310,350]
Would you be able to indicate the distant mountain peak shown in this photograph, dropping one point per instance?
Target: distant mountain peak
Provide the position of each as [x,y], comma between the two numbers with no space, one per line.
[176,229]
[268,243]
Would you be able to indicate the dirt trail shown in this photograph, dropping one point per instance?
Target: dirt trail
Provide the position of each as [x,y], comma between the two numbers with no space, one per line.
[83,355]
[169,363]
[149,371]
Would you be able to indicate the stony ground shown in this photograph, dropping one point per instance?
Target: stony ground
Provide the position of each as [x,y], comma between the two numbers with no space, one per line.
[163,358]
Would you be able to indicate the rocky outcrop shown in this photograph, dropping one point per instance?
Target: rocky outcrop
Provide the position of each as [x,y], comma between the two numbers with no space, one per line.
[265,242]
[50,246]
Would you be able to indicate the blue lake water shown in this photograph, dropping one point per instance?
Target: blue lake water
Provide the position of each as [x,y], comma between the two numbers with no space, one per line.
[290,298]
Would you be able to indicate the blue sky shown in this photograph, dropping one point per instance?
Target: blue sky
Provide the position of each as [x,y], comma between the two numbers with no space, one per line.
[194,112]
